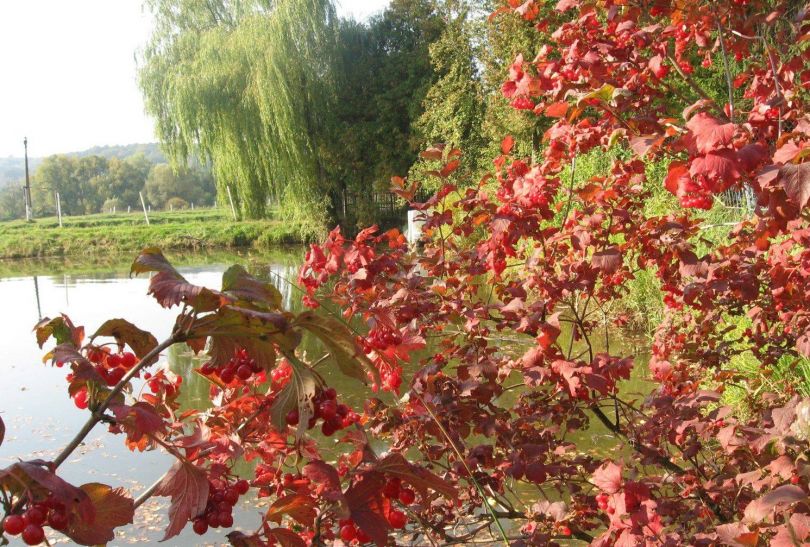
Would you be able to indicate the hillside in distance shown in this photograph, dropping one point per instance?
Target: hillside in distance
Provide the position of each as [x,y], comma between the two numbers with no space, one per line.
[12,168]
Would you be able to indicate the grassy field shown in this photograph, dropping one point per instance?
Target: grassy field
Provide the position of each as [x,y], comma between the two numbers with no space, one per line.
[128,233]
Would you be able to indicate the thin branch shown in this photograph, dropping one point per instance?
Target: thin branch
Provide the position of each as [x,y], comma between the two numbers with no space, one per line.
[729,81]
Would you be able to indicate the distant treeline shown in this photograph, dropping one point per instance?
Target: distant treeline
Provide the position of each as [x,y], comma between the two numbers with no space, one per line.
[91,183]
[12,168]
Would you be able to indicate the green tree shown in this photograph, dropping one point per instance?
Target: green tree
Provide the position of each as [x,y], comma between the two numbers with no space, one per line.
[191,184]
[11,202]
[247,86]
[123,180]
[454,106]
[61,174]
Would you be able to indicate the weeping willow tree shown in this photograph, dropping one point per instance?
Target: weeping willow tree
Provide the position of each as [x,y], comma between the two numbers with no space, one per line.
[248,85]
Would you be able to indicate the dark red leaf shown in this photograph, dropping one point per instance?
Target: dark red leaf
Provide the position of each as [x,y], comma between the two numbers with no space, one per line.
[187,486]
[607,261]
[795,179]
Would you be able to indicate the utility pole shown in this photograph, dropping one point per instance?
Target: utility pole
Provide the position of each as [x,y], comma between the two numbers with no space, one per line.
[29,212]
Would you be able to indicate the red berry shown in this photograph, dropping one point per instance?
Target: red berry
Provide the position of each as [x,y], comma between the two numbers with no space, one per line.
[292,417]
[363,537]
[391,489]
[406,496]
[227,375]
[242,486]
[231,496]
[115,375]
[330,393]
[33,534]
[200,526]
[225,520]
[244,372]
[58,520]
[565,530]
[348,532]
[328,429]
[794,479]
[80,399]
[35,516]
[397,519]
[327,409]
[128,360]
[212,519]
[13,524]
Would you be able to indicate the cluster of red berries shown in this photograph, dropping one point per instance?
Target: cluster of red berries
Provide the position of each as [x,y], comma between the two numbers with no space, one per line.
[602,503]
[241,366]
[110,366]
[335,416]
[163,382]
[381,339]
[221,499]
[30,523]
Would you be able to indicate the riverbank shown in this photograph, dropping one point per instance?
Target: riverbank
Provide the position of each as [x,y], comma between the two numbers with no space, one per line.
[129,233]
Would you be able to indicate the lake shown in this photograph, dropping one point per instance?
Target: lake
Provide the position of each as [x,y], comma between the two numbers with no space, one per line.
[41,418]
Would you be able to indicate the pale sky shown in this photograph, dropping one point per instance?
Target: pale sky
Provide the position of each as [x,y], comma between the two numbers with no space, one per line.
[68,72]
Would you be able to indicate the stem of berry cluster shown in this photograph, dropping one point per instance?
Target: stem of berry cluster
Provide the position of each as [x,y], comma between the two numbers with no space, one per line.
[98,413]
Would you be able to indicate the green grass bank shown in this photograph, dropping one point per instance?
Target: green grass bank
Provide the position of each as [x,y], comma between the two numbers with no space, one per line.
[128,233]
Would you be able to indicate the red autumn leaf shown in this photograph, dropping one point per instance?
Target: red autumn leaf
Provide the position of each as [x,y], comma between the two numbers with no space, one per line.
[608,260]
[608,477]
[187,486]
[287,538]
[240,539]
[138,420]
[677,176]
[367,507]
[737,534]
[37,477]
[795,179]
[556,110]
[325,478]
[299,507]
[720,167]
[113,509]
[787,152]
[761,507]
[797,529]
[565,5]
[169,287]
[420,478]
[449,168]
[434,153]
[642,144]
[709,134]
[506,144]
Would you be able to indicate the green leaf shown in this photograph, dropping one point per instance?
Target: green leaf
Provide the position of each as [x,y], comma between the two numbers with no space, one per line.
[604,94]
[61,328]
[341,345]
[239,284]
[125,333]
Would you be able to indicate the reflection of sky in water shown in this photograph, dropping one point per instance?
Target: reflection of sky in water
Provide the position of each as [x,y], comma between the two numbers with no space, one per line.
[40,417]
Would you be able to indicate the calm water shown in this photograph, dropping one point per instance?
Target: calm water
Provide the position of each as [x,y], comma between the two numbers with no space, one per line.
[41,419]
